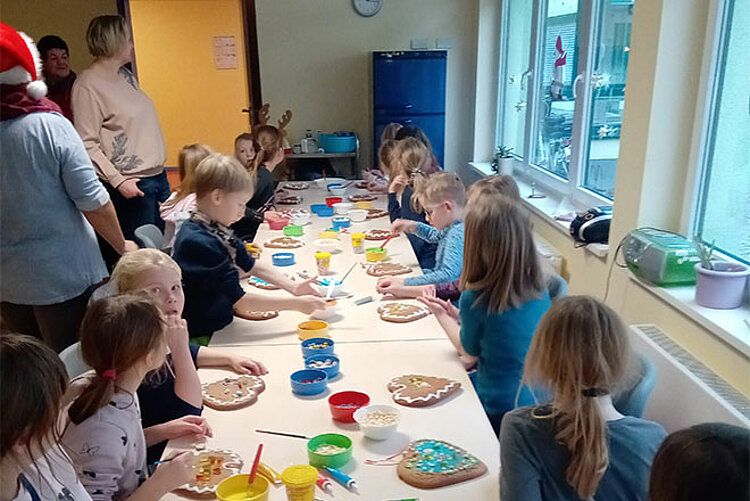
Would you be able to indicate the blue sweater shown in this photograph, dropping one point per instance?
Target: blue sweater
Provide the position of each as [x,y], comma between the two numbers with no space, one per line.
[533,463]
[449,256]
[425,251]
[500,341]
[210,280]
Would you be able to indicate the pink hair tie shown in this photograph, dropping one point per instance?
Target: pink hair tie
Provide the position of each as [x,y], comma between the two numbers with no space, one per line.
[110,374]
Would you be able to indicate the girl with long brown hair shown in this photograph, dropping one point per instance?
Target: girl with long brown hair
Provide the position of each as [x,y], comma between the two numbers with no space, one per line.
[579,446]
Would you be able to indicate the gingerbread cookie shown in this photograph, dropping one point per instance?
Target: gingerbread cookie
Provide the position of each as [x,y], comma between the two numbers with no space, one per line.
[414,390]
[296,185]
[429,464]
[361,185]
[401,312]
[376,213]
[232,392]
[211,467]
[387,269]
[377,234]
[262,284]
[257,315]
[290,200]
[284,243]
[361,198]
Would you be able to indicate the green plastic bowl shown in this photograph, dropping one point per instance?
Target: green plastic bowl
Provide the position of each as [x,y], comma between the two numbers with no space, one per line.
[332,460]
[293,230]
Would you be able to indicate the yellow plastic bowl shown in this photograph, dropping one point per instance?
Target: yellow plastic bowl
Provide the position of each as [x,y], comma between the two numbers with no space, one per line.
[375,254]
[235,488]
[328,234]
[312,328]
[364,204]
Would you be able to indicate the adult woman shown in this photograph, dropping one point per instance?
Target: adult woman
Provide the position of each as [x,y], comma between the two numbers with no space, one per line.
[119,126]
[49,260]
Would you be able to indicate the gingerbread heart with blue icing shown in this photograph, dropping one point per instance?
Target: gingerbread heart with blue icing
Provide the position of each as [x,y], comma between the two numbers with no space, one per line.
[430,463]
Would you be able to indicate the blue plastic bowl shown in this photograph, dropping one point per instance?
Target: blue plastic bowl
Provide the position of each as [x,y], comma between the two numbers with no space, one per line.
[308,352]
[340,142]
[315,208]
[282,259]
[325,212]
[301,388]
[332,372]
[341,222]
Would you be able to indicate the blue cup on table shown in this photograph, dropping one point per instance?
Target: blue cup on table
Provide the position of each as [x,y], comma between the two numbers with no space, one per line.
[282,259]
[331,371]
[309,382]
[308,350]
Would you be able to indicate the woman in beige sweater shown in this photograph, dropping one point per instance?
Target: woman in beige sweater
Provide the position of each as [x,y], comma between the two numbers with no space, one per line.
[120,128]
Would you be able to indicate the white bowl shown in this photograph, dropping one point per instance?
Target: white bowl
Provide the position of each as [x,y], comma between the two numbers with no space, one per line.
[337,192]
[300,218]
[327,245]
[327,313]
[343,207]
[338,290]
[377,431]
[357,215]
[322,182]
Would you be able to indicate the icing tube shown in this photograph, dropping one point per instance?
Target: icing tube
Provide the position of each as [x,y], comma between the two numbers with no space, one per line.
[269,473]
[342,478]
[324,483]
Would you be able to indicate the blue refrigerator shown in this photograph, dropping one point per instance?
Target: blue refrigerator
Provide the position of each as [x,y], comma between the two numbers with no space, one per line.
[409,88]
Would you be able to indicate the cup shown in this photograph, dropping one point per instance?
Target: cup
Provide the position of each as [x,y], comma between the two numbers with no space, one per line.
[323,260]
[299,481]
[358,243]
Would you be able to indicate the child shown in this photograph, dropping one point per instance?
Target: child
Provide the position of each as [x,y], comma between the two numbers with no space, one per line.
[412,131]
[177,208]
[210,256]
[503,299]
[178,392]
[706,461]
[378,179]
[443,198]
[389,132]
[407,161]
[578,446]
[32,463]
[123,338]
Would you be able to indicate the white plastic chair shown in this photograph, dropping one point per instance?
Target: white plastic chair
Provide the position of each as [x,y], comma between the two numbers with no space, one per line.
[74,364]
[150,236]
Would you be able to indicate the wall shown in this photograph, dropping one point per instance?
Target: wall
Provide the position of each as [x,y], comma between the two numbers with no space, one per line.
[68,20]
[315,60]
[174,54]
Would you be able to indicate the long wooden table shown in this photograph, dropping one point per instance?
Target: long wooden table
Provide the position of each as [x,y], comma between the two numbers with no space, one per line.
[371,352]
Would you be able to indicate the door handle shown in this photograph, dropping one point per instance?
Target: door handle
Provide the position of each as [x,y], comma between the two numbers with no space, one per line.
[408,106]
[524,78]
[578,78]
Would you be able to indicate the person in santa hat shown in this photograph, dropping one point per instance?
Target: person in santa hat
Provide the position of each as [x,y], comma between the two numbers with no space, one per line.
[51,202]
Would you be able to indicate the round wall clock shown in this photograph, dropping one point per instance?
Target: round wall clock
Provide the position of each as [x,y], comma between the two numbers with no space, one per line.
[367,8]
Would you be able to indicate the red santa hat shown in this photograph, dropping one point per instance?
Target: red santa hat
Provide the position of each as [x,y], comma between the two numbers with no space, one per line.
[20,62]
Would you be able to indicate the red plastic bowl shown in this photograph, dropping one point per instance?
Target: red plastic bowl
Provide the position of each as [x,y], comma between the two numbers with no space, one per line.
[344,403]
[277,224]
[333,200]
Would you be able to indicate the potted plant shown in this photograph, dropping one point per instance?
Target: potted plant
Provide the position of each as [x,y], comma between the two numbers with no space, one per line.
[503,161]
[719,284]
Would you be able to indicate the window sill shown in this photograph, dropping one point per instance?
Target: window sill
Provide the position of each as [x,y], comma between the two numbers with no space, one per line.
[545,207]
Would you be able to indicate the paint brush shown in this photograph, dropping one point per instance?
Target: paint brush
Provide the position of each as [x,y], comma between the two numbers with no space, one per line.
[282,434]
[387,240]
[347,273]
[254,469]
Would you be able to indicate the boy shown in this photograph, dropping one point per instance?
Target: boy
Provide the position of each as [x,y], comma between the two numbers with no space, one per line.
[443,198]
[209,254]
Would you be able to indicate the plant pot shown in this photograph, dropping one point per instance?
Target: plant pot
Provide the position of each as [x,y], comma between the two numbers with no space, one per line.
[505,166]
[722,288]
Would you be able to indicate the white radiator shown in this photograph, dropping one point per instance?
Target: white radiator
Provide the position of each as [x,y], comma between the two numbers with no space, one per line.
[686,392]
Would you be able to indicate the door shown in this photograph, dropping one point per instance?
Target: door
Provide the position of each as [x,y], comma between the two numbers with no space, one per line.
[412,84]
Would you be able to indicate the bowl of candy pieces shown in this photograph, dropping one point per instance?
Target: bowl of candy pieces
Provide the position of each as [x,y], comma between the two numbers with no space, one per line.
[377,422]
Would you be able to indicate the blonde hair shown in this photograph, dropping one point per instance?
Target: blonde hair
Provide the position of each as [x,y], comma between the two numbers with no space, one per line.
[410,157]
[106,35]
[132,264]
[441,187]
[384,154]
[389,132]
[189,158]
[580,344]
[498,184]
[500,258]
[222,172]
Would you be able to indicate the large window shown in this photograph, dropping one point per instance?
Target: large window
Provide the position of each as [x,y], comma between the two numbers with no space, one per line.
[723,205]
[562,91]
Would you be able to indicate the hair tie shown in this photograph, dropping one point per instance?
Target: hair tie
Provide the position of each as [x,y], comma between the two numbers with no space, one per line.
[110,374]
[595,392]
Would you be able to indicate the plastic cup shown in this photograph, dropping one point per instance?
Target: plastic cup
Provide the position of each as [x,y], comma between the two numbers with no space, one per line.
[323,260]
[236,488]
[357,243]
[299,481]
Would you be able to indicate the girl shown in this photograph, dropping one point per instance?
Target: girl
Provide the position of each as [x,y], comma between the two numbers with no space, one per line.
[415,132]
[578,446]
[178,393]
[123,338]
[378,179]
[32,464]
[503,299]
[407,164]
[181,203]
[389,132]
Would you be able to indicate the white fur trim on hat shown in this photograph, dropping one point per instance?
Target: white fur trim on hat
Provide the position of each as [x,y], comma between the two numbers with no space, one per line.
[18,75]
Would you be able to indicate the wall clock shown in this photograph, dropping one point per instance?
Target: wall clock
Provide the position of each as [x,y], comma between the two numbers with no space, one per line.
[367,8]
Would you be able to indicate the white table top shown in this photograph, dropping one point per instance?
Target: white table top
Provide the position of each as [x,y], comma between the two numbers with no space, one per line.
[365,367]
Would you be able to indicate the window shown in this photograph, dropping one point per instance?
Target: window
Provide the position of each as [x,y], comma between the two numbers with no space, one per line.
[722,212]
[562,91]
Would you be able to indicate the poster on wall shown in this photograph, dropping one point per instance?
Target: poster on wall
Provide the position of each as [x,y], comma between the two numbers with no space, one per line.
[225,53]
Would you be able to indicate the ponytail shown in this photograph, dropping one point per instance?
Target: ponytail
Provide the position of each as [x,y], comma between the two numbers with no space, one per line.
[96,395]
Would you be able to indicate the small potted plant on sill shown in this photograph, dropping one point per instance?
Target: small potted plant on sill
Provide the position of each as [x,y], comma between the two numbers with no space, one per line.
[503,161]
[720,284]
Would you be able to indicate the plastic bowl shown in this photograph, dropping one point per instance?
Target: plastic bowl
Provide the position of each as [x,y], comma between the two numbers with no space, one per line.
[314,208]
[357,215]
[327,245]
[327,212]
[312,328]
[375,254]
[339,142]
[282,259]
[336,189]
[302,388]
[364,204]
[343,208]
[328,234]
[341,222]
[374,430]
[277,224]
[333,200]
[332,371]
[300,218]
[324,285]
[235,488]
[344,403]
[293,230]
[326,313]
[308,351]
[333,460]
[322,182]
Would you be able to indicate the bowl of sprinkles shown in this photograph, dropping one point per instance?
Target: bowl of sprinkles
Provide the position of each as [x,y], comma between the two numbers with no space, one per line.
[344,403]
[330,449]
[326,363]
[317,346]
[309,382]
[377,422]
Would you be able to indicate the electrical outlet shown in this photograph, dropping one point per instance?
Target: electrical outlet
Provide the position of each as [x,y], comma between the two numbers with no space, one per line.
[445,43]
[420,43]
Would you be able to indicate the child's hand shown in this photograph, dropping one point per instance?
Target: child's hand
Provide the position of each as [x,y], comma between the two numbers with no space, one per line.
[391,285]
[187,425]
[248,366]
[177,332]
[428,291]
[308,304]
[403,225]
[398,184]
[440,307]
[176,471]
[305,288]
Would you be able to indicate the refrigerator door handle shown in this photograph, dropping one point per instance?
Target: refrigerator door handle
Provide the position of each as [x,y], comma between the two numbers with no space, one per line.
[408,106]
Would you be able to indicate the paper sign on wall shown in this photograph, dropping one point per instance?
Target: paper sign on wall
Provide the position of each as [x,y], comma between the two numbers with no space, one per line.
[225,53]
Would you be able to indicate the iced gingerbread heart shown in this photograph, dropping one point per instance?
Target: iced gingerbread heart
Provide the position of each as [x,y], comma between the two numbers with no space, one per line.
[232,392]
[429,464]
[284,243]
[296,185]
[211,467]
[256,316]
[262,284]
[376,234]
[376,213]
[401,312]
[361,198]
[387,269]
[414,390]
[290,200]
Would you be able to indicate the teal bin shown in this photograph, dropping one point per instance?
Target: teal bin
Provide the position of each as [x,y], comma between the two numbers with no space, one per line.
[338,142]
